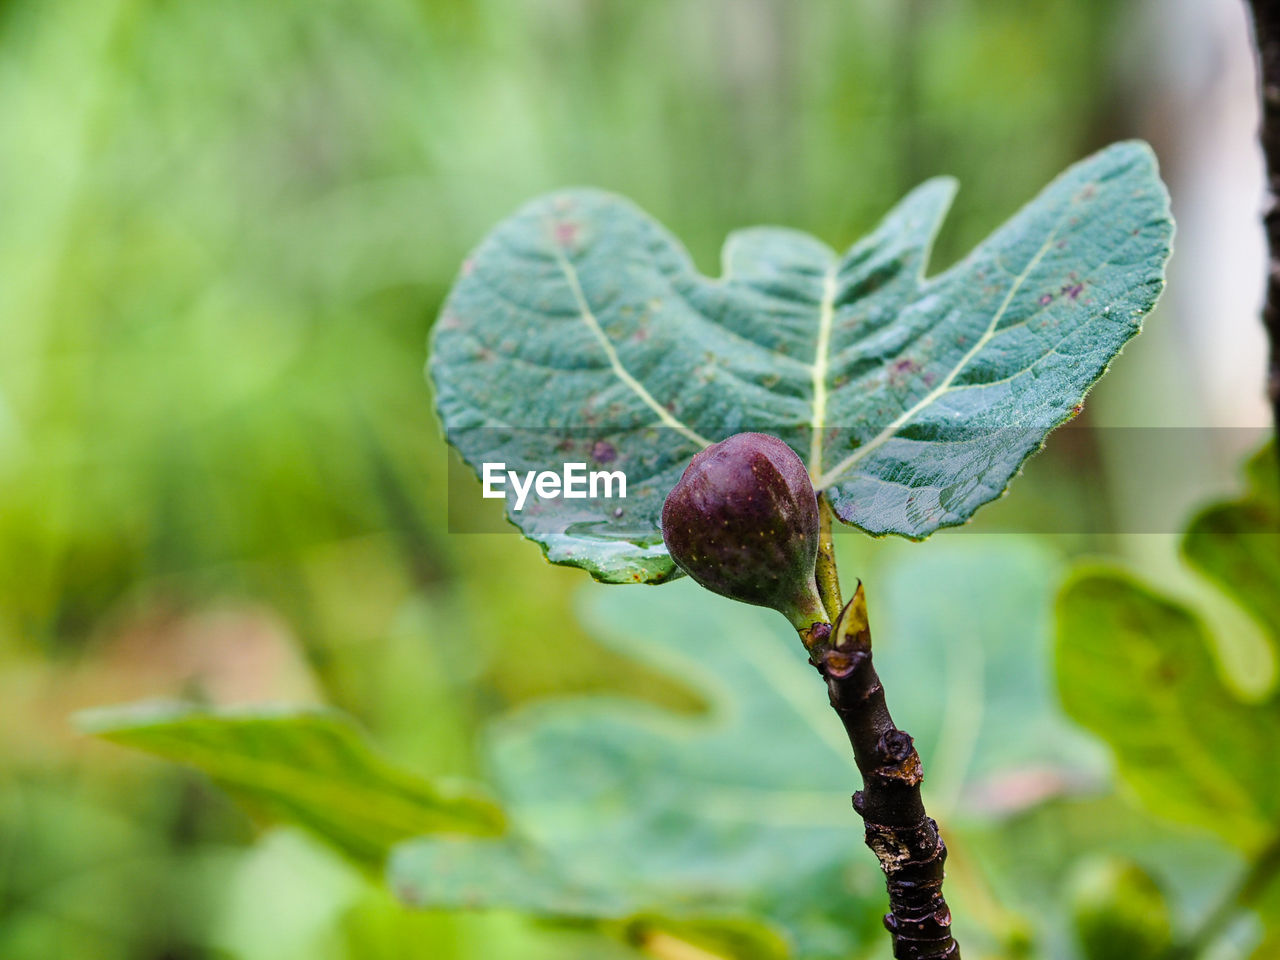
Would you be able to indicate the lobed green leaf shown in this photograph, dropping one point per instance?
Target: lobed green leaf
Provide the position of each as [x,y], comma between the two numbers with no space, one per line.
[580,331]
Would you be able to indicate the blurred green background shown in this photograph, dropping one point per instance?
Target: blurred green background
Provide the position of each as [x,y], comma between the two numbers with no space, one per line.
[225,231]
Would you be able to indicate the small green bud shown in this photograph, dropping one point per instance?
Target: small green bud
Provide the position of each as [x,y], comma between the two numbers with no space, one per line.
[1119,911]
[743,522]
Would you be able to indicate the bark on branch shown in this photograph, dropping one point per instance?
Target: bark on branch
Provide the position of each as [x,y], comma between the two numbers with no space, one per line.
[899,832]
[1266,31]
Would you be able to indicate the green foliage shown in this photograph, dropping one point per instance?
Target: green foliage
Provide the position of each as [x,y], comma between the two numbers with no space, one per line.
[626,809]
[1038,859]
[621,809]
[1237,544]
[581,330]
[1137,669]
[84,878]
[729,828]
[704,939]
[312,768]
[1119,911]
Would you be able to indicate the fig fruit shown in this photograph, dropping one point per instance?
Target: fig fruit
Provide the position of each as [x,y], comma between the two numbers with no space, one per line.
[743,522]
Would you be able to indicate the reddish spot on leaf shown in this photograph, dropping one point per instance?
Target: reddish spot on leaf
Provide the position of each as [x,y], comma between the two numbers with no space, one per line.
[1046,299]
[566,233]
[603,452]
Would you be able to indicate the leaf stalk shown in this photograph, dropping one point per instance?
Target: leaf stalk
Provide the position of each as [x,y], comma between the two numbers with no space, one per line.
[827,576]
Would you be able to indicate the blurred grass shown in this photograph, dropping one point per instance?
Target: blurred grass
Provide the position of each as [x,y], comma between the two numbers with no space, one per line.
[225,230]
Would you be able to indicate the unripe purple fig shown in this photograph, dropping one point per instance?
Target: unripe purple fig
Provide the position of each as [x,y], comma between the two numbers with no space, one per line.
[743,522]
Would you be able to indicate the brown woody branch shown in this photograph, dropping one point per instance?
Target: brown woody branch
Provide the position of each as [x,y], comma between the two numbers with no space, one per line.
[1266,32]
[899,832]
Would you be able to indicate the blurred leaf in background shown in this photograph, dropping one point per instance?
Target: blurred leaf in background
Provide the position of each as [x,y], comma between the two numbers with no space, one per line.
[1140,670]
[1120,912]
[626,808]
[690,829]
[312,768]
[622,807]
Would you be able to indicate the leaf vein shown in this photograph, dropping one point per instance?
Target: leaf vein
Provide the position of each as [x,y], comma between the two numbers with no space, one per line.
[932,396]
[622,373]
